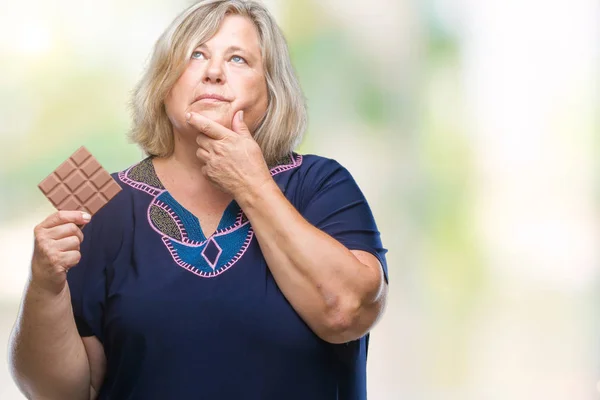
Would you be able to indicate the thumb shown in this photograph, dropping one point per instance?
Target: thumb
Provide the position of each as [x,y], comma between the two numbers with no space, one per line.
[239,126]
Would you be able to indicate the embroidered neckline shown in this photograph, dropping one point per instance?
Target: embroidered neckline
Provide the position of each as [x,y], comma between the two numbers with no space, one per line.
[180,230]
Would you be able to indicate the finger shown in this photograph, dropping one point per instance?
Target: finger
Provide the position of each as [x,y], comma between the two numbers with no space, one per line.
[203,154]
[238,125]
[207,126]
[204,141]
[71,258]
[65,230]
[68,244]
[64,217]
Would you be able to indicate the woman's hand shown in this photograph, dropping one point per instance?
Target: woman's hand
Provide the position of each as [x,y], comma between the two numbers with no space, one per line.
[56,249]
[233,160]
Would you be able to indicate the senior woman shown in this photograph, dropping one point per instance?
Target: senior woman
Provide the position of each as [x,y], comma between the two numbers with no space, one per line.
[229,266]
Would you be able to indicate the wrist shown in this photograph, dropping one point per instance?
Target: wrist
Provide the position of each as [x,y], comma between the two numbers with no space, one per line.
[254,194]
[46,284]
[47,290]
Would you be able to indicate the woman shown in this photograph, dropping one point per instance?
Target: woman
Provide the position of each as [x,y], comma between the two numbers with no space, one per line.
[228,267]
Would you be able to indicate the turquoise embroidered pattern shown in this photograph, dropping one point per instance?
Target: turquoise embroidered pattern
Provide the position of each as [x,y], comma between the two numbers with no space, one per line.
[181,232]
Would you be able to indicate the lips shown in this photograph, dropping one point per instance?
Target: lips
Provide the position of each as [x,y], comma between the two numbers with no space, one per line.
[211,97]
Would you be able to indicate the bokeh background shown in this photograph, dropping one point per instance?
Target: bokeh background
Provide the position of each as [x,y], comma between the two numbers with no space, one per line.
[472,127]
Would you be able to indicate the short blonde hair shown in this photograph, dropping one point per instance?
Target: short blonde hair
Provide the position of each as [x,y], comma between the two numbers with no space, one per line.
[283,125]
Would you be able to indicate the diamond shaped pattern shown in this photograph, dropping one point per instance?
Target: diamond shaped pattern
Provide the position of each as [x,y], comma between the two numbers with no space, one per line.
[212,252]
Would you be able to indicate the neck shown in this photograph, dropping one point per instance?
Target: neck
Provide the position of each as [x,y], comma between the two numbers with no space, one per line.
[184,169]
[184,156]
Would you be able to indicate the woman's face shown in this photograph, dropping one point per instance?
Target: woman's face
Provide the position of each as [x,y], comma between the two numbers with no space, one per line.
[224,75]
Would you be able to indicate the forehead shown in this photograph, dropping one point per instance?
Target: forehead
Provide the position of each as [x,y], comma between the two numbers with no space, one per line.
[236,30]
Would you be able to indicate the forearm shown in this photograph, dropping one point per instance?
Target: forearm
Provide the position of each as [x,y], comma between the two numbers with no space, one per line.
[47,356]
[324,282]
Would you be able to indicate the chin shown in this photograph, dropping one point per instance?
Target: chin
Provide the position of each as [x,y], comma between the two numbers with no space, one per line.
[217,116]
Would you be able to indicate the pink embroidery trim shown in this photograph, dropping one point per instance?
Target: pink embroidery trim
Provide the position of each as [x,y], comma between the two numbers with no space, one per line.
[185,240]
[166,240]
[296,162]
[155,192]
[151,190]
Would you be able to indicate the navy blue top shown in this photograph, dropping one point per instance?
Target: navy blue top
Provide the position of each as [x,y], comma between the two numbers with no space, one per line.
[185,317]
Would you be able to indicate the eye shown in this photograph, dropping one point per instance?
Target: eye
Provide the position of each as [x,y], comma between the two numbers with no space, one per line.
[238,60]
[198,55]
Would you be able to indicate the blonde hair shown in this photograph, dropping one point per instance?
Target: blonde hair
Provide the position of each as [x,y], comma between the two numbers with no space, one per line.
[283,125]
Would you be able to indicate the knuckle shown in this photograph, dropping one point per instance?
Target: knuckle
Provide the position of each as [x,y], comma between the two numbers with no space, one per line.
[38,231]
[72,228]
[44,245]
[53,258]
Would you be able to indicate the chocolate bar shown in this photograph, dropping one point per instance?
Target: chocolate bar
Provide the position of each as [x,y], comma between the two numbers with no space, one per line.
[80,183]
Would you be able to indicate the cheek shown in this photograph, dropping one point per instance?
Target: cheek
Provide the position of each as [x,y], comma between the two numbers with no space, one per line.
[256,94]
[264,97]
[171,108]
[260,89]
[257,106]
[175,101]
[176,95]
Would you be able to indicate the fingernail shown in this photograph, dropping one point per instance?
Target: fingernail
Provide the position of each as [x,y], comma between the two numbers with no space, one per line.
[86,217]
[241,116]
[188,116]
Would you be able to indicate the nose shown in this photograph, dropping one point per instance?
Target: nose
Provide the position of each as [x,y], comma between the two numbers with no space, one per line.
[214,72]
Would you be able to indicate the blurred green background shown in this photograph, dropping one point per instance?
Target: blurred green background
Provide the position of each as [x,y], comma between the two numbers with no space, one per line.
[472,128]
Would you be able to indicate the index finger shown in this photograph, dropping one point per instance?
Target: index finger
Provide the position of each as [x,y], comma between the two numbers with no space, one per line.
[65,217]
[207,126]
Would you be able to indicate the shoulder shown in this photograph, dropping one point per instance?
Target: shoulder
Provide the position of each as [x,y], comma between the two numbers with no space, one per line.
[311,168]
[313,161]
[112,223]
[312,176]
[317,173]
[318,169]
[115,214]
[117,205]
[140,177]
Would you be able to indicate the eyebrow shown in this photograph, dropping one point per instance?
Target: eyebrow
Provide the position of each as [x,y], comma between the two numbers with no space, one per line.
[229,49]
[236,48]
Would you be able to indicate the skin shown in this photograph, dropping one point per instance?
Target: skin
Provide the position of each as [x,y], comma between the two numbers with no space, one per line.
[229,65]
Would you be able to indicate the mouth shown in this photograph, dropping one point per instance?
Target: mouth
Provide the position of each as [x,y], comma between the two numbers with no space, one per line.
[210,98]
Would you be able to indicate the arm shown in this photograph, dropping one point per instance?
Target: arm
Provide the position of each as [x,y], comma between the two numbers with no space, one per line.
[97,361]
[47,357]
[339,293]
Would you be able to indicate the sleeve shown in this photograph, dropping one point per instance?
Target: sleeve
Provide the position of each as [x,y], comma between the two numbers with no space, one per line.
[334,203]
[88,279]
